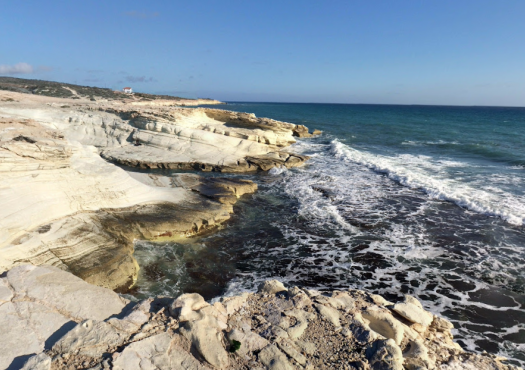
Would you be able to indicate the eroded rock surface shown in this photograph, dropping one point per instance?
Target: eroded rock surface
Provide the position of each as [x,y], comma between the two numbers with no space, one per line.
[39,304]
[265,330]
[64,205]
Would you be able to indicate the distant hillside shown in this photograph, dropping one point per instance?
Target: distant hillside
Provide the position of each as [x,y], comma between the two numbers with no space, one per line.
[65,90]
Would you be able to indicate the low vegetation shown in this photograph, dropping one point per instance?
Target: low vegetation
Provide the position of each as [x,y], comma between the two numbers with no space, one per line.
[65,90]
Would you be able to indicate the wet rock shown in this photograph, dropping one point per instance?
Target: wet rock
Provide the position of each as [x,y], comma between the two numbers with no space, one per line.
[302,131]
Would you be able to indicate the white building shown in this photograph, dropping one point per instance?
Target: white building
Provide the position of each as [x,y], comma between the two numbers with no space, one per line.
[127,90]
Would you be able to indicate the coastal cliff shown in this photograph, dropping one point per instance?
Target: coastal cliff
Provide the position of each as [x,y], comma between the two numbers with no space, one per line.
[70,218]
[64,205]
[53,320]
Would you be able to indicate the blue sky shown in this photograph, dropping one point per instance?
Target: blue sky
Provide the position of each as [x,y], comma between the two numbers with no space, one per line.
[461,52]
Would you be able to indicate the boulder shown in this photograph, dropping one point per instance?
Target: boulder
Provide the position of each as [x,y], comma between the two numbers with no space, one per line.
[413,311]
[183,307]
[271,287]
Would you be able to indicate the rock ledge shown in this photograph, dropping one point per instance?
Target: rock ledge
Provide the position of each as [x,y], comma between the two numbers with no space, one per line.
[276,328]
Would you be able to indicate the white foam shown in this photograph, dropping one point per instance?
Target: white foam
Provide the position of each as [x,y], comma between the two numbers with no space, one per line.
[431,176]
[277,171]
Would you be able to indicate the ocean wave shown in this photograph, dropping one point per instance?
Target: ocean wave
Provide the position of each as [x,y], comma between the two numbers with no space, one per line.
[422,143]
[431,176]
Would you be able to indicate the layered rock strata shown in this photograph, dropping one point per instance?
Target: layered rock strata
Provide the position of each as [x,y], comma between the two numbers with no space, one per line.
[153,136]
[88,327]
[64,205]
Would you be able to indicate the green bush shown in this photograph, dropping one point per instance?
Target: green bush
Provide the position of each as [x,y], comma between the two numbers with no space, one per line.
[235,346]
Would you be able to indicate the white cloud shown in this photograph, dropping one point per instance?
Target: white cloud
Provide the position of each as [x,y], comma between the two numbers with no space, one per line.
[19,68]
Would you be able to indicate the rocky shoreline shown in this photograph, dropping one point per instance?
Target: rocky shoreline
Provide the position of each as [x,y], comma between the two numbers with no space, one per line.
[54,320]
[67,232]
[68,205]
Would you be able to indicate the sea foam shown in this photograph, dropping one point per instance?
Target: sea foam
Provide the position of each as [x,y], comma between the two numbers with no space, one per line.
[432,177]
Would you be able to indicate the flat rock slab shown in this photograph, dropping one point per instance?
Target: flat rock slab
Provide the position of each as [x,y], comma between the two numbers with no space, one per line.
[42,304]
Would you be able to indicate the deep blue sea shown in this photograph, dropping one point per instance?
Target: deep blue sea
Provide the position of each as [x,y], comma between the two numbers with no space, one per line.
[424,200]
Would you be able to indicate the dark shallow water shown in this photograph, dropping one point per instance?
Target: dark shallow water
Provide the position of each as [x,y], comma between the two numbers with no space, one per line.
[420,200]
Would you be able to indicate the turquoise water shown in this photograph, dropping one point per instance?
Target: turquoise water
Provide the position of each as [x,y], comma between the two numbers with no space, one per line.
[395,199]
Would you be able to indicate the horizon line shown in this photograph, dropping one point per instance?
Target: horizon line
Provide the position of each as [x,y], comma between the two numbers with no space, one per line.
[393,104]
[252,101]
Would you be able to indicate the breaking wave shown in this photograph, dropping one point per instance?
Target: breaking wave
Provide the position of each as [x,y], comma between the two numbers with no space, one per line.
[432,176]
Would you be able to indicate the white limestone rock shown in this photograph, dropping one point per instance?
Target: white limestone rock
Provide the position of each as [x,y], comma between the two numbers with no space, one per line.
[233,304]
[205,332]
[274,359]
[46,301]
[300,326]
[156,352]
[272,287]
[250,341]
[412,310]
[383,323]
[38,362]
[330,314]
[416,356]
[183,307]
[385,355]
[288,347]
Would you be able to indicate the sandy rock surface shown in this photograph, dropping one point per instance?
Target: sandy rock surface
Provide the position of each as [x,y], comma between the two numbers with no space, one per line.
[289,329]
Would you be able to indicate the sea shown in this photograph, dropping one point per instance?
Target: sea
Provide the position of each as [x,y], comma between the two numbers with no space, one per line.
[420,200]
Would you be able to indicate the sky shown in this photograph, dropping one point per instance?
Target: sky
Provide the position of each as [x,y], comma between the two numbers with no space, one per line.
[460,52]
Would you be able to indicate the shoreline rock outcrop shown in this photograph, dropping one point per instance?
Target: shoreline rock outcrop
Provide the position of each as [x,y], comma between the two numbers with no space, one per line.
[66,206]
[88,327]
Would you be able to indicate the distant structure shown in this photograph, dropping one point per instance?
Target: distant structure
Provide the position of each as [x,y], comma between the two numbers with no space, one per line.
[127,90]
